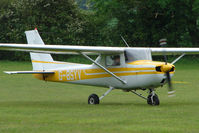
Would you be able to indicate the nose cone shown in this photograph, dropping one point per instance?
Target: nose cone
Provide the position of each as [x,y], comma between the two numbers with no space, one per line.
[165,68]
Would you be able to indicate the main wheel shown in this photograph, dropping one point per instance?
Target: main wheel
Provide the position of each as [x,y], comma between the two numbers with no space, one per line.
[93,99]
[153,100]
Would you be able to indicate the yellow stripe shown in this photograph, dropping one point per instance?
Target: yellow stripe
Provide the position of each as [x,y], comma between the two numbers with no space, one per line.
[35,61]
[117,69]
[146,62]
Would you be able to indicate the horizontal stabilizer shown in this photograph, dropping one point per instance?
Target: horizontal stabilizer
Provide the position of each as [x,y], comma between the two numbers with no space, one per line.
[29,72]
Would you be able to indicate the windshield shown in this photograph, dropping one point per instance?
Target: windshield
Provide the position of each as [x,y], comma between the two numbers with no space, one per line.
[133,54]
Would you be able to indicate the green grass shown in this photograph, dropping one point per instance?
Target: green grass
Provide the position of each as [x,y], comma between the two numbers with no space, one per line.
[28,105]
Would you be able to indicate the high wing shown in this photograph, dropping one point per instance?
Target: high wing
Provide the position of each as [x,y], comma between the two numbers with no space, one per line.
[67,49]
[61,49]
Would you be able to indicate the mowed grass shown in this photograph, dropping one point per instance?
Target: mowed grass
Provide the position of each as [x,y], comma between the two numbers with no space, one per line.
[28,105]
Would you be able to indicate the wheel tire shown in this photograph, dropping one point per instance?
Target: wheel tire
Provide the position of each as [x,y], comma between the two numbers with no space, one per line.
[93,99]
[155,100]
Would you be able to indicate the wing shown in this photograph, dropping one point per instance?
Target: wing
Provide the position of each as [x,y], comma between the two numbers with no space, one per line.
[67,49]
[34,37]
[173,51]
[61,49]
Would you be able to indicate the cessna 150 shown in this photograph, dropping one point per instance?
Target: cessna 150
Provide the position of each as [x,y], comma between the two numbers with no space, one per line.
[126,68]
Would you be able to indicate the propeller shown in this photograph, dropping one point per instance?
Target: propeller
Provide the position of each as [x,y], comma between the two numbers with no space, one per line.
[167,68]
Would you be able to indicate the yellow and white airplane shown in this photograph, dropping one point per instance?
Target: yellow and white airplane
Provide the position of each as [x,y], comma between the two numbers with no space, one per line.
[123,68]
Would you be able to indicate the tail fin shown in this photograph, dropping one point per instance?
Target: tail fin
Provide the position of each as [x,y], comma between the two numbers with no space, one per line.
[39,61]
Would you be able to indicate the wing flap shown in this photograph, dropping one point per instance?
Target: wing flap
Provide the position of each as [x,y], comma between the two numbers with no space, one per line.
[29,72]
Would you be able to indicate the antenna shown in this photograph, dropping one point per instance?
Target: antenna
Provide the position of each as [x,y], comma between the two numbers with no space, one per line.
[124,40]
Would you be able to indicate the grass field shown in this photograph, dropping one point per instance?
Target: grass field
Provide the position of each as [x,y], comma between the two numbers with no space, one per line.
[28,105]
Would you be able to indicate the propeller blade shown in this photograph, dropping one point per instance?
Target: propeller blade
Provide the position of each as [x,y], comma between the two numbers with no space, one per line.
[171,92]
[165,59]
[163,42]
[170,87]
[169,81]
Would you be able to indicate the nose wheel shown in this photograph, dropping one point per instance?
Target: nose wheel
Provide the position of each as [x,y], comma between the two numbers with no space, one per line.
[153,99]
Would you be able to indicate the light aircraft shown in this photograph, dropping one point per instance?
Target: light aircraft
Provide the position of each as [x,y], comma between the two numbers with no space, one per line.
[125,68]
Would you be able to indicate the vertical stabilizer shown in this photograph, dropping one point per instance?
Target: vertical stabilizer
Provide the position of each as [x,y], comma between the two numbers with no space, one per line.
[39,61]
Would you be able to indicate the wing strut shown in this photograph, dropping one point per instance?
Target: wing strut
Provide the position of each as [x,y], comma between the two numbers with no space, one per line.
[178,58]
[109,72]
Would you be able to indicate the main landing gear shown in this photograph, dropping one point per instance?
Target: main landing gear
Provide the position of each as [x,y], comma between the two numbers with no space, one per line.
[94,99]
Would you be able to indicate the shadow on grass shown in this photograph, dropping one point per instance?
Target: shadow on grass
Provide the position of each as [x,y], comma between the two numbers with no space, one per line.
[144,104]
[62,104]
[39,104]
[74,104]
[123,104]
[187,103]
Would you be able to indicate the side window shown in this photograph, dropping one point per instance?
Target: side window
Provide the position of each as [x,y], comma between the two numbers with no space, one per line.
[113,60]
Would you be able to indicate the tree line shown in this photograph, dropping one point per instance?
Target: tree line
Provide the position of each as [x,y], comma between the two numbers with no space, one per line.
[140,22]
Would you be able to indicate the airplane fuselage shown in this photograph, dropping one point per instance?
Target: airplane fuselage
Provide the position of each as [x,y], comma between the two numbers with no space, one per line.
[138,75]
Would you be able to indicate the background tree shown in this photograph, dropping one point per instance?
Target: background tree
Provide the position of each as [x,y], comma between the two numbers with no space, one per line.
[140,22]
[144,22]
[59,22]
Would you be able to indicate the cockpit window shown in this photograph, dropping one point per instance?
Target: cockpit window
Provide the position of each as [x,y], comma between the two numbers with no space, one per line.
[113,60]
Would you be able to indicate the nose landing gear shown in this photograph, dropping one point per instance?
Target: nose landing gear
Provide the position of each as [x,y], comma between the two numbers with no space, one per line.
[152,98]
